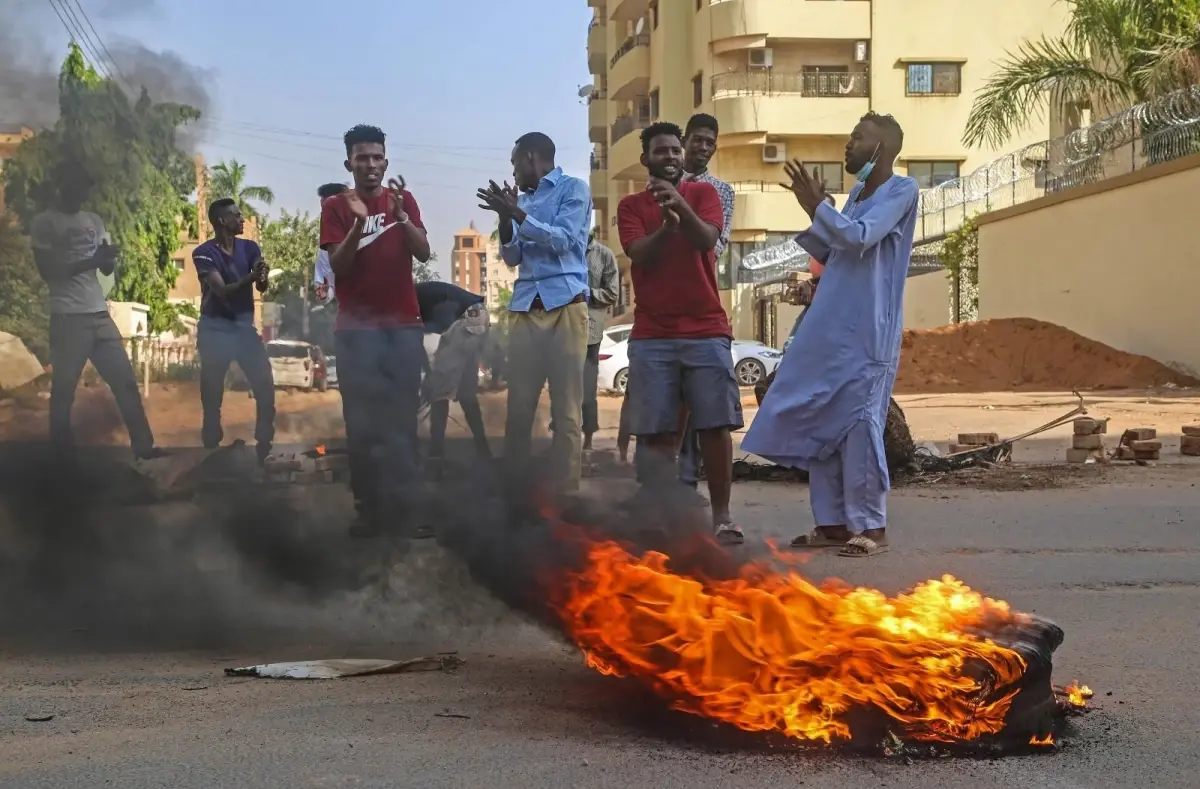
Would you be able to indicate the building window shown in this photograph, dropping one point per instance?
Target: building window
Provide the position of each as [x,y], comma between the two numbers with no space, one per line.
[178,264]
[468,243]
[654,15]
[934,79]
[828,175]
[654,104]
[931,174]
[698,89]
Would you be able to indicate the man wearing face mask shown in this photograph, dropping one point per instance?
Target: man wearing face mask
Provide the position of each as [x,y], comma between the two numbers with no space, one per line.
[680,343]
[828,407]
[544,233]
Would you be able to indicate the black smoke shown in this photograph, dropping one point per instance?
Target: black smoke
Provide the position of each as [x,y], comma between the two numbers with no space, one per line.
[32,50]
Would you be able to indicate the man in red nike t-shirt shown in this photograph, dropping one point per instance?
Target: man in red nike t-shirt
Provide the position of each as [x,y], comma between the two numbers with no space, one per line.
[372,234]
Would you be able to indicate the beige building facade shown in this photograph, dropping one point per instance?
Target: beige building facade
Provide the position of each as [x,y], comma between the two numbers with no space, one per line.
[468,260]
[789,79]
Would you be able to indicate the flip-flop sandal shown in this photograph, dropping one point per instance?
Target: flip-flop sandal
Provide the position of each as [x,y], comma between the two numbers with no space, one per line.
[861,547]
[816,539]
[729,534]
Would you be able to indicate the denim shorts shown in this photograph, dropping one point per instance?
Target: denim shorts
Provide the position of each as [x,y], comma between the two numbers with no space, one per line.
[665,374]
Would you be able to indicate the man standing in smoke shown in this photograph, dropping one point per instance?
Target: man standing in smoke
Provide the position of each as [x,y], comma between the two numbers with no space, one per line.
[679,349]
[544,234]
[372,234]
[228,267]
[827,410]
[70,246]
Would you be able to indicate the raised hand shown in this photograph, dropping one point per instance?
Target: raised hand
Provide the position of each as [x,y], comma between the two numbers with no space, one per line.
[396,196]
[358,209]
[666,194]
[670,219]
[500,199]
[807,191]
[106,258]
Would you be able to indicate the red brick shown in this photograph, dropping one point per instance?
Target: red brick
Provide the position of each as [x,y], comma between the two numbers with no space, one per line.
[1191,430]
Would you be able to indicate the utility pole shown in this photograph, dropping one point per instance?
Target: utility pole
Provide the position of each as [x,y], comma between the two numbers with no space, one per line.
[304,296]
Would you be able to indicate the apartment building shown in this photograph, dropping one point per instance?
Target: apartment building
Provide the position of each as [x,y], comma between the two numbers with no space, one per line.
[468,260]
[789,79]
[500,276]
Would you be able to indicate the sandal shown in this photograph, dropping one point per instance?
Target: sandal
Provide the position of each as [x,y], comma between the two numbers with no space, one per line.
[816,539]
[859,547]
[729,534]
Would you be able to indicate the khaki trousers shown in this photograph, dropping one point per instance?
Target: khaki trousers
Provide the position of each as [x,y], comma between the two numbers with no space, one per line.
[547,347]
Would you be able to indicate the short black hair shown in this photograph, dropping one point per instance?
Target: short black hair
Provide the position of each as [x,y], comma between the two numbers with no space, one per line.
[538,144]
[701,120]
[893,135]
[327,191]
[217,206]
[364,133]
[657,130]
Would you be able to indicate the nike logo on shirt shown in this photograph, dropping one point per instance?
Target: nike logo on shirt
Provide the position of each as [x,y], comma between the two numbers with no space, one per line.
[373,228]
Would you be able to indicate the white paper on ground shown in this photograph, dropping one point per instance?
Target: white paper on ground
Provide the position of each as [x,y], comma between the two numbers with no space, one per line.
[346,667]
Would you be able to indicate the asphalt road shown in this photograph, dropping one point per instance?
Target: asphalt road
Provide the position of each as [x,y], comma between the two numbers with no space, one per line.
[139,699]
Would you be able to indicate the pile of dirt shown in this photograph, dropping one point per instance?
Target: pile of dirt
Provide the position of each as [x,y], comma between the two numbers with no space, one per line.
[1022,354]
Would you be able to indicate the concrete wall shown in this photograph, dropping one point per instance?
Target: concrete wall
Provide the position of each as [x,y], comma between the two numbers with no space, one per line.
[1114,261]
[927,301]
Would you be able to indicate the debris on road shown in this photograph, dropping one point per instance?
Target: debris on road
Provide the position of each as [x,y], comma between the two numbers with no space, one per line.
[39,717]
[1087,444]
[339,668]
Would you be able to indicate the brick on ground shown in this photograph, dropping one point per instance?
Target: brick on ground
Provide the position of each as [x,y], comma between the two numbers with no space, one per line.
[1192,431]
[1146,454]
[1189,445]
[1083,455]
[1089,441]
[978,439]
[1153,445]
[1125,453]
[1140,434]
[1086,426]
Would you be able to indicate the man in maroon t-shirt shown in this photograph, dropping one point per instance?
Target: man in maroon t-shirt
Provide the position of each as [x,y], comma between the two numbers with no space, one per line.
[680,345]
[372,234]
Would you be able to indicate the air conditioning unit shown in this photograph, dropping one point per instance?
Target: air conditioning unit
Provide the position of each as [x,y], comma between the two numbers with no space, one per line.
[762,58]
[774,153]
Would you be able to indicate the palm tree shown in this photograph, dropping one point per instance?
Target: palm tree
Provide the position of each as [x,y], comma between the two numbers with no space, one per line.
[1114,53]
[228,179]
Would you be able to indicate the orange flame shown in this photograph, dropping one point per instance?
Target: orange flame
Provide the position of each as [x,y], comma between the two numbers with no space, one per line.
[1042,742]
[771,651]
[1077,695]
[320,449]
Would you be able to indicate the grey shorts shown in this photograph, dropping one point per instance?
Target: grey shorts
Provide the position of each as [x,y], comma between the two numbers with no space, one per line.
[698,374]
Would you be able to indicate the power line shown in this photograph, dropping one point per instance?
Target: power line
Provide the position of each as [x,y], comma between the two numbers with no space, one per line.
[111,59]
[80,37]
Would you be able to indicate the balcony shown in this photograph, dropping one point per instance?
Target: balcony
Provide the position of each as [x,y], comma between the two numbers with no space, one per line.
[740,24]
[598,117]
[629,69]
[762,207]
[628,10]
[599,179]
[767,101]
[625,153]
[596,45]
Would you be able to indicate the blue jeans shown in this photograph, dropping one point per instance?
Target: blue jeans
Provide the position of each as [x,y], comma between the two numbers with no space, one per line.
[379,375]
[220,343]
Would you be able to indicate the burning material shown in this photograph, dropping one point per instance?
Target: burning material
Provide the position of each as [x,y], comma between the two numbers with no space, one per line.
[769,651]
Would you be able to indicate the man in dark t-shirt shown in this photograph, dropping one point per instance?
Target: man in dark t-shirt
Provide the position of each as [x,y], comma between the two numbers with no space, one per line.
[229,269]
[372,234]
[458,315]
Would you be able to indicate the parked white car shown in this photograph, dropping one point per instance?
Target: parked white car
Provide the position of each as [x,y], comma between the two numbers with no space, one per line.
[752,361]
[297,365]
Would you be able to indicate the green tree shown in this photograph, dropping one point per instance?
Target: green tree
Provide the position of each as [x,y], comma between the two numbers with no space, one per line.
[141,178]
[289,245]
[228,179]
[1114,53]
[423,272]
[22,291]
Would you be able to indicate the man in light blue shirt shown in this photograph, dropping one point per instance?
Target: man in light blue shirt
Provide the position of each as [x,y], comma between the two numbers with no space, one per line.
[544,233]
